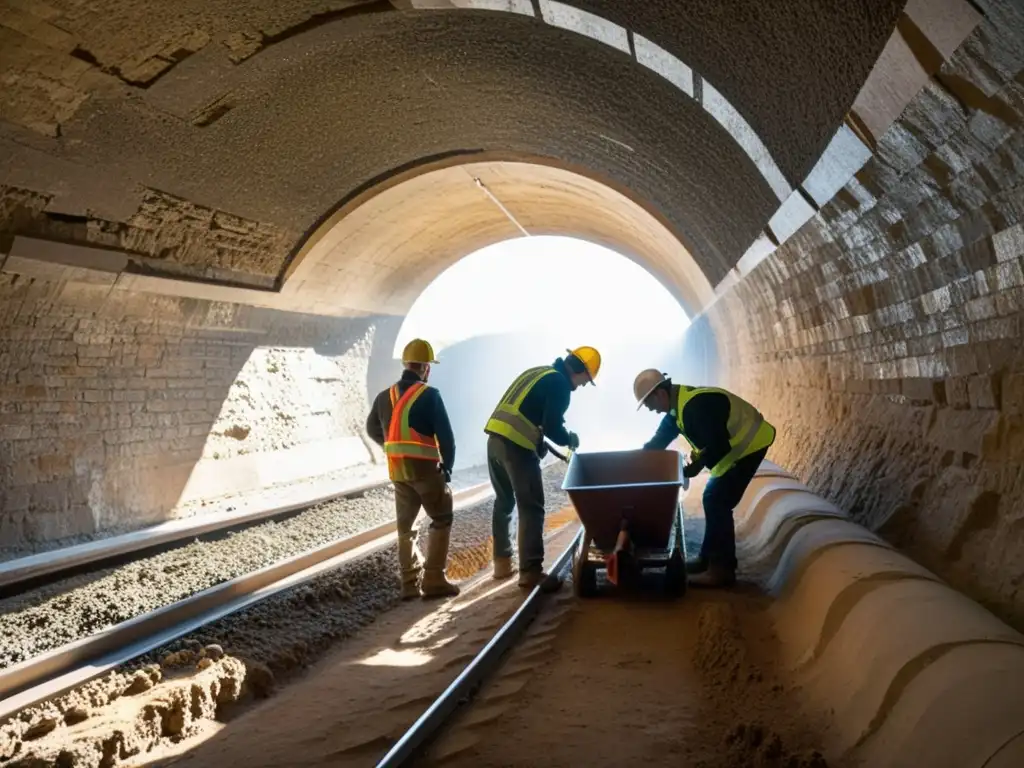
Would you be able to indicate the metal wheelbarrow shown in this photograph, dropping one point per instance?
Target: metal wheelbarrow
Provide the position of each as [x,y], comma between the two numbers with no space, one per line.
[628,502]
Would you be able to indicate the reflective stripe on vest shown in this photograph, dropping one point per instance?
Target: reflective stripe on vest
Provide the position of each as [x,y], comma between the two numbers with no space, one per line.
[403,443]
[748,430]
[508,421]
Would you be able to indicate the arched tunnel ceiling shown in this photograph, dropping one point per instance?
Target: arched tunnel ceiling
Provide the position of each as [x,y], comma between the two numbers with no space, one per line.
[379,256]
[267,117]
[792,67]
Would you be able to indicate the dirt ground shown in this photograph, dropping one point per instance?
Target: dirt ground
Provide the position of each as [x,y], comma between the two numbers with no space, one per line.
[611,681]
[640,679]
[614,681]
[53,615]
[267,646]
[132,713]
[607,681]
[356,704]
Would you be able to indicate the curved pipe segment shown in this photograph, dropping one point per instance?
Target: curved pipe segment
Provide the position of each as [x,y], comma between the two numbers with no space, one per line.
[912,672]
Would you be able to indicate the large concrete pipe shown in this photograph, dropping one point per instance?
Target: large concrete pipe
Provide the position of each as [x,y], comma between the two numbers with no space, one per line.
[911,672]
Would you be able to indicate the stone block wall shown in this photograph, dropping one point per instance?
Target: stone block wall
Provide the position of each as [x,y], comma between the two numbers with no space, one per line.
[119,407]
[884,339]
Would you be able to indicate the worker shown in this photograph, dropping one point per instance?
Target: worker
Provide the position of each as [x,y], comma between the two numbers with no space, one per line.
[410,422]
[730,438]
[532,409]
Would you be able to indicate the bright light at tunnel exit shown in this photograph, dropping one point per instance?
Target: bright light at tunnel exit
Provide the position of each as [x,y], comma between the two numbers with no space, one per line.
[521,303]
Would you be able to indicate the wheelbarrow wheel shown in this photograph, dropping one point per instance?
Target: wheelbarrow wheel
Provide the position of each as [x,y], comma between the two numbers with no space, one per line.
[584,575]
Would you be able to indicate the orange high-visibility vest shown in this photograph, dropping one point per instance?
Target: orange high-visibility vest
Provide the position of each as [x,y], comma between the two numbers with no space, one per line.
[404,444]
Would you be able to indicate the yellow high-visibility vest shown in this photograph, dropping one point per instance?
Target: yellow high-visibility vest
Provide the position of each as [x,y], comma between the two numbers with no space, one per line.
[508,421]
[749,432]
[404,444]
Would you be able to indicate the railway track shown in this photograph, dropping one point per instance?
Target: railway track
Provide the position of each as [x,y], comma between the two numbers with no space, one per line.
[57,671]
[820,665]
[411,745]
[838,628]
[21,574]
[24,573]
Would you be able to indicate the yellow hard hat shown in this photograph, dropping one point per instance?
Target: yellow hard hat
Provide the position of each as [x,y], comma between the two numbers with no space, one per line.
[418,351]
[645,383]
[590,358]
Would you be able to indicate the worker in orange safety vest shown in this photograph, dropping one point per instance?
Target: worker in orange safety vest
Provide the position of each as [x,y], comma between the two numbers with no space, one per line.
[410,422]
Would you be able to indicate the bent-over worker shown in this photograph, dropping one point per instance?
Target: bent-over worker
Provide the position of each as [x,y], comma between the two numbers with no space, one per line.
[410,422]
[532,408]
[730,438]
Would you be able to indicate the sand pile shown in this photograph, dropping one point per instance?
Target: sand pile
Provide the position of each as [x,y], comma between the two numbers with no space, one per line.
[757,746]
[122,715]
[755,724]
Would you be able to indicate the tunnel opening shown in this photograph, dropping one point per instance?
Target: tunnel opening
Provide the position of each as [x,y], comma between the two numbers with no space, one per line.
[525,302]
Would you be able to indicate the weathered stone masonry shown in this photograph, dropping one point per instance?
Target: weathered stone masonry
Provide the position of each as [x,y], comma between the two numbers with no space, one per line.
[884,338]
[165,235]
[109,397]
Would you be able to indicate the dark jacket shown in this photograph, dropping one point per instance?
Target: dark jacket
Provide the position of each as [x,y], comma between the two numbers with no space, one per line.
[547,403]
[428,417]
[705,423]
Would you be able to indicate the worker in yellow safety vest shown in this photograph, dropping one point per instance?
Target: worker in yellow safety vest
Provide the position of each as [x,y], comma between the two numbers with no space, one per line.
[410,422]
[730,438]
[532,409]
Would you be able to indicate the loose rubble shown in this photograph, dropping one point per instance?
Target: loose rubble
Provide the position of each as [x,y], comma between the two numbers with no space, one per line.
[123,718]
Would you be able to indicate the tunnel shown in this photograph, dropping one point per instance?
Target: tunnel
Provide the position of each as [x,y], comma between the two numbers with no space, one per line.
[214,218]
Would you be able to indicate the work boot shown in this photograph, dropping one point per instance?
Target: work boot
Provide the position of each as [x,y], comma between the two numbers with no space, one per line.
[503,568]
[715,577]
[410,591]
[434,583]
[547,582]
[696,565]
[410,561]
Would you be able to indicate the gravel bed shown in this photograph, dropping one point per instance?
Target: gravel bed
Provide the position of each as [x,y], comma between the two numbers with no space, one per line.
[461,479]
[275,639]
[286,631]
[59,613]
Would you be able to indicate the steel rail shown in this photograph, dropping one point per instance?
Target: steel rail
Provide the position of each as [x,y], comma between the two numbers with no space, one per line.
[23,573]
[479,669]
[18,572]
[61,669]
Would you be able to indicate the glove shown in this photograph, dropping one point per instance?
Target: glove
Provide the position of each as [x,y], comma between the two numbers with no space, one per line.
[446,472]
[692,470]
[574,441]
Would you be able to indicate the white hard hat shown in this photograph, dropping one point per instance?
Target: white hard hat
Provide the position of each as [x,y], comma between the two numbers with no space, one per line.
[645,383]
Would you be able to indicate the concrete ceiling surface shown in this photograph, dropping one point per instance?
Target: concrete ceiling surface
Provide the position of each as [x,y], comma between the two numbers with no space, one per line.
[269,114]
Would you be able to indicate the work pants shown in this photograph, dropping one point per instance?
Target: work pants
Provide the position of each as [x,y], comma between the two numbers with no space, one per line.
[721,495]
[433,494]
[516,478]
